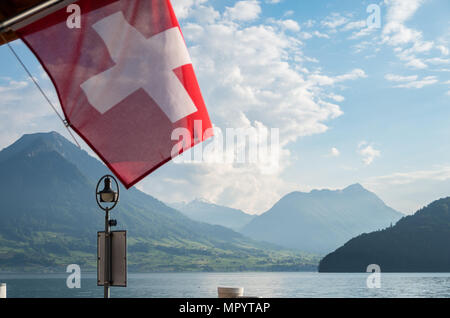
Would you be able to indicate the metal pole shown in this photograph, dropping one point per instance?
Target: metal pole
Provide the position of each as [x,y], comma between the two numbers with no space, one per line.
[32,14]
[2,290]
[107,255]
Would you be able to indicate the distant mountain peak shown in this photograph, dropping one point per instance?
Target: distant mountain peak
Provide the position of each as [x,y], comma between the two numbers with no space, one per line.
[355,187]
[321,219]
[42,143]
[51,136]
[45,141]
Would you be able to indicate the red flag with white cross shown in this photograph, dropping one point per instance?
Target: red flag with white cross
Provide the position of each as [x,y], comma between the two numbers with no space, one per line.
[125,81]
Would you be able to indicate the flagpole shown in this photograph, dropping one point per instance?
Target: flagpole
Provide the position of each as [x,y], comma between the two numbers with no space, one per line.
[107,280]
[33,14]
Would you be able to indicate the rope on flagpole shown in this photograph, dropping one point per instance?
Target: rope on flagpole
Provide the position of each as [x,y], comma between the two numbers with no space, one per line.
[63,120]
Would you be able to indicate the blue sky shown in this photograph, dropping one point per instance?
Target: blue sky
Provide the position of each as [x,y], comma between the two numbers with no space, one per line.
[353,103]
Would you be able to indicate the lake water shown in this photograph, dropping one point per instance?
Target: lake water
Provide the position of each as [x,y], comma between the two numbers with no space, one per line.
[200,285]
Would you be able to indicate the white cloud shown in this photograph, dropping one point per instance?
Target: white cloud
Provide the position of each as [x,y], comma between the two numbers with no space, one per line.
[183,8]
[334,152]
[290,25]
[416,63]
[401,10]
[428,80]
[438,61]
[354,25]
[321,35]
[353,75]
[399,78]
[205,14]
[12,86]
[324,80]
[398,178]
[409,43]
[362,32]
[367,152]
[444,50]
[285,25]
[246,10]
[339,23]
[334,21]
[336,98]
[395,33]
[411,81]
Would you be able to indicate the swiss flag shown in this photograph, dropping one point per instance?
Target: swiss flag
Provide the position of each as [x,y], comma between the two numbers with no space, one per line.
[125,82]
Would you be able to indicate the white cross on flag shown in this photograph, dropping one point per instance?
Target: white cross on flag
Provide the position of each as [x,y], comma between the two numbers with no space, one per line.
[125,81]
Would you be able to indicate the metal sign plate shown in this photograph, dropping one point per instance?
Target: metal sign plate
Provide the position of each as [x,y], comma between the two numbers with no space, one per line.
[118,258]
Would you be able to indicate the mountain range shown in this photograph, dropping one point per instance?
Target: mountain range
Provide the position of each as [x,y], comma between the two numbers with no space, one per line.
[417,243]
[322,220]
[49,218]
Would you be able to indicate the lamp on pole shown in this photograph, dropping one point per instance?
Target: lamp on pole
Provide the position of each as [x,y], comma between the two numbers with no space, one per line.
[109,198]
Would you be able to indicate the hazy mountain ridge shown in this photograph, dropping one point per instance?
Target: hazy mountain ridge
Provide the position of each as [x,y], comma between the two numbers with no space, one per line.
[49,218]
[321,220]
[417,243]
[203,211]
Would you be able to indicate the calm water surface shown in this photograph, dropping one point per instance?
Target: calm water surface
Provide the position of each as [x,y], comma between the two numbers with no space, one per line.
[199,285]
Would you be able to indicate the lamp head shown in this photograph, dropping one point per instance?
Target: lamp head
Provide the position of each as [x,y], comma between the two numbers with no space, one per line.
[107,194]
